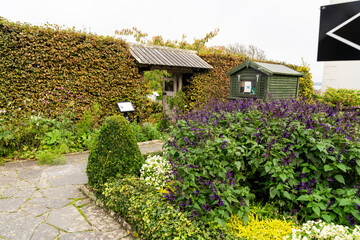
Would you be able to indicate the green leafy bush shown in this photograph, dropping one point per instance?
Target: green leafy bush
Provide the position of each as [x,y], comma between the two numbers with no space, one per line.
[303,157]
[145,132]
[342,96]
[24,136]
[150,216]
[139,134]
[50,157]
[114,152]
[88,126]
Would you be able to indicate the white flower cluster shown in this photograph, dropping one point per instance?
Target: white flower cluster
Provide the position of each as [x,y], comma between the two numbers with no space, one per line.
[156,171]
[322,230]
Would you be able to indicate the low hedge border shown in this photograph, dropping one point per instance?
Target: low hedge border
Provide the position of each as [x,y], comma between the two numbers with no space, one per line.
[144,213]
[86,190]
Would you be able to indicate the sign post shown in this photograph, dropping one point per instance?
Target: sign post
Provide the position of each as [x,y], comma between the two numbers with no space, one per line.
[339,35]
[125,107]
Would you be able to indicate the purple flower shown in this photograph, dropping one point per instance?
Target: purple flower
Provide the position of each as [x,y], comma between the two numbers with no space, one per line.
[224,144]
[351,220]
[206,207]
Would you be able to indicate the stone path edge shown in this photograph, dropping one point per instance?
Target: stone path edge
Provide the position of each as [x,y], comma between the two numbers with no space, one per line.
[87,192]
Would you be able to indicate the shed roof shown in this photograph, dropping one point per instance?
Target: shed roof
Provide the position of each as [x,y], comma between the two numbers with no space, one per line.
[148,55]
[267,68]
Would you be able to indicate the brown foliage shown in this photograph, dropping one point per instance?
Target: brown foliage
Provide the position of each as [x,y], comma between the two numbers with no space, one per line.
[49,70]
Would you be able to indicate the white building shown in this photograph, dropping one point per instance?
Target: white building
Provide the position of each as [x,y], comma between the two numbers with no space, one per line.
[341,74]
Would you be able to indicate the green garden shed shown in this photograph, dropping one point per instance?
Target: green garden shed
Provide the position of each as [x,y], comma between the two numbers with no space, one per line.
[256,79]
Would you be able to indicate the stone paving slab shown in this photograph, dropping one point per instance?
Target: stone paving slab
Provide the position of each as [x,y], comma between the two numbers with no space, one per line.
[20,229]
[44,232]
[68,219]
[9,205]
[43,202]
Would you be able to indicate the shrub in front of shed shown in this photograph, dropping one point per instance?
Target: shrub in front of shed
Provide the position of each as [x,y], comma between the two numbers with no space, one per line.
[114,152]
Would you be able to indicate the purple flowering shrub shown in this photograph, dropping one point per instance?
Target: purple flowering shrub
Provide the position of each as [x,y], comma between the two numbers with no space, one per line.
[303,157]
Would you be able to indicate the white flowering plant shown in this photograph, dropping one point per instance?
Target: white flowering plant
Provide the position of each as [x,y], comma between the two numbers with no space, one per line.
[156,171]
[322,230]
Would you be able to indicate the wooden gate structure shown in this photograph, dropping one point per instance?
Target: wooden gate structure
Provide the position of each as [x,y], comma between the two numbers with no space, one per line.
[181,64]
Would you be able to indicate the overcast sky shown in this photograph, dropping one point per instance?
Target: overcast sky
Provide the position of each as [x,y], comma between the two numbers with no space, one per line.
[287,30]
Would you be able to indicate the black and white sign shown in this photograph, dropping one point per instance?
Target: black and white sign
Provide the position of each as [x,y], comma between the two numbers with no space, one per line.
[339,36]
[125,107]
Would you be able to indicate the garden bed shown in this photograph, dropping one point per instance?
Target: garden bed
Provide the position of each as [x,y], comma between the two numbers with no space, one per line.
[232,170]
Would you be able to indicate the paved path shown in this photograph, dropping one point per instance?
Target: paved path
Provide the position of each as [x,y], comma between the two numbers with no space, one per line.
[43,202]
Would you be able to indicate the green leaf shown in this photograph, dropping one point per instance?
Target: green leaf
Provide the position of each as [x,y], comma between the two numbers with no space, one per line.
[322,206]
[273,192]
[345,202]
[231,199]
[220,222]
[358,162]
[283,177]
[316,210]
[340,178]
[356,215]
[328,168]
[340,191]
[327,218]
[246,219]
[357,201]
[342,166]
[287,195]
[303,198]
[357,169]
[238,165]
[318,197]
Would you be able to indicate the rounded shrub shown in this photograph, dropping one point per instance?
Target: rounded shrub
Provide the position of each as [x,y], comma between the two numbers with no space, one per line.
[114,152]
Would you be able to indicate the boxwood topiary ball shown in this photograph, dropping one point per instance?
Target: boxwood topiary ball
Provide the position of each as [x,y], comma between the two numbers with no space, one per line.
[114,152]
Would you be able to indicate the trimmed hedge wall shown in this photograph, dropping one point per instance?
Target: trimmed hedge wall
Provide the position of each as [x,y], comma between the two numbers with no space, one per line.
[49,70]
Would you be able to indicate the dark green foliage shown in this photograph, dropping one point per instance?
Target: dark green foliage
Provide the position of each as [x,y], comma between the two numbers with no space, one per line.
[302,157]
[150,216]
[23,137]
[114,152]
[145,132]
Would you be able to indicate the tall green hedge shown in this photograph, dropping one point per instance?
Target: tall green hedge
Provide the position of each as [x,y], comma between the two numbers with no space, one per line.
[48,70]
